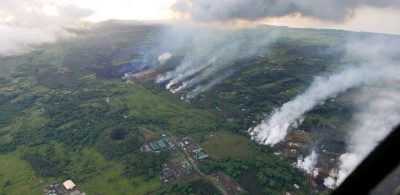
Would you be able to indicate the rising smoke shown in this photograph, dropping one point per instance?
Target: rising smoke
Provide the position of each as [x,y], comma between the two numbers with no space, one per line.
[210,51]
[308,164]
[210,54]
[379,65]
[378,72]
[379,114]
[26,23]
[163,58]
[373,62]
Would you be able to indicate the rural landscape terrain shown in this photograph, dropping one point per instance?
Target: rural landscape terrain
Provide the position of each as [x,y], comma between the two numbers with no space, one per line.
[92,109]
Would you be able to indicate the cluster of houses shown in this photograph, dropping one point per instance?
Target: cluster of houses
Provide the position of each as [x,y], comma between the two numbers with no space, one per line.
[193,148]
[166,143]
[180,169]
[162,144]
[68,187]
[199,154]
[177,170]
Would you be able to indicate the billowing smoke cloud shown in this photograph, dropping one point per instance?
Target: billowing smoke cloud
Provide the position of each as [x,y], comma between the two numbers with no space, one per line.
[26,23]
[163,58]
[379,115]
[377,72]
[225,10]
[308,164]
[380,64]
[210,54]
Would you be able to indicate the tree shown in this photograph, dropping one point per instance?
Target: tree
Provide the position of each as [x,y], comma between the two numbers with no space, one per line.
[118,134]
[7,183]
[145,164]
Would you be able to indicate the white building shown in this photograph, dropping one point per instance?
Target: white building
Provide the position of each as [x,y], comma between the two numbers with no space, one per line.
[69,185]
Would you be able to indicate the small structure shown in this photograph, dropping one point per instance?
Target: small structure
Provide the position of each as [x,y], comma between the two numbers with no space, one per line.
[199,154]
[69,185]
[158,145]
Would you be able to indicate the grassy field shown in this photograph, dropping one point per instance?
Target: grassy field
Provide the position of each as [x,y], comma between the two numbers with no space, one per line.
[5,138]
[48,57]
[16,176]
[64,108]
[113,182]
[9,65]
[227,144]
[180,118]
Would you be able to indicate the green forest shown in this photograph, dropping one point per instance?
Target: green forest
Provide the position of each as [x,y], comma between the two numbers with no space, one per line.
[62,116]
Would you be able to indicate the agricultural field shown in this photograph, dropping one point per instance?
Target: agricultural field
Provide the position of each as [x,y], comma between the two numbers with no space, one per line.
[66,114]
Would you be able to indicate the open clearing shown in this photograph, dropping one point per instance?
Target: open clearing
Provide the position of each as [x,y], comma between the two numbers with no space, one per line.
[120,184]
[16,176]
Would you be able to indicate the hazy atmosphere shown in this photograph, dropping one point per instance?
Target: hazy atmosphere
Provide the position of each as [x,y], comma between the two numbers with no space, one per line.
[46,19]
[194,96]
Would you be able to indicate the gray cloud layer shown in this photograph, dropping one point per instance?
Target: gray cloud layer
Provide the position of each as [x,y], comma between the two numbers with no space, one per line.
[225,10]
[24,24]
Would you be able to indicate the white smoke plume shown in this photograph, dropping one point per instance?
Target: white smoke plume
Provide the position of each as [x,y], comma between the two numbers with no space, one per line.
[379,65]
[202,88]
[377,72]
[375,120]
[208,53]
[330,182]
[163,58]
[27,23]
[308,163]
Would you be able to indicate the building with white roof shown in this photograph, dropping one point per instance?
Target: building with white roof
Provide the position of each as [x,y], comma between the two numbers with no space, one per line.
[69,185]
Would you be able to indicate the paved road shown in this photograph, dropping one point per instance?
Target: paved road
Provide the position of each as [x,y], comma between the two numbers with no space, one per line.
[187,156]
[217,185]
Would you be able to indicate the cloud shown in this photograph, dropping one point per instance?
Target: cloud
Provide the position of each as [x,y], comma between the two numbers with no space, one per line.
[127,9]
[225,10]
[367,19]
[26,23]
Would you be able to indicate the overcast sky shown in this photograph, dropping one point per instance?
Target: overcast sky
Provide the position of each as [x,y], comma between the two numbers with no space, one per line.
[368,15]
[24,23]
[379,16]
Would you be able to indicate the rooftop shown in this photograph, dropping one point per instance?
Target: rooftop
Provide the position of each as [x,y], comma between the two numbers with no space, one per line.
[69,185]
